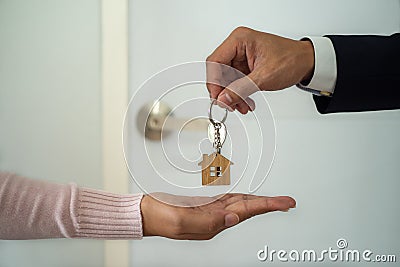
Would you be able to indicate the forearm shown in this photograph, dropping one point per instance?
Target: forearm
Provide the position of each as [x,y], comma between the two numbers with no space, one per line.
[32,209]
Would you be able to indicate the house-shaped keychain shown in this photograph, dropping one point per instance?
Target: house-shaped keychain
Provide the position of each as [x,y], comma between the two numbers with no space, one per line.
[215,169]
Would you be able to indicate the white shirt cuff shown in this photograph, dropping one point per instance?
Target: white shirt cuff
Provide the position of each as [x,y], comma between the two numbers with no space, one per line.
[325,72]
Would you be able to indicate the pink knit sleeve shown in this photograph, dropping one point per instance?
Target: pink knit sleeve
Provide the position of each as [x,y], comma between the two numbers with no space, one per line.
[33,209]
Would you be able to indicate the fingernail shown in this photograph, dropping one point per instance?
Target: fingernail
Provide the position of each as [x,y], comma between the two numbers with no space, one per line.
[293,204]
[231,219]
[224,101]
[228,98]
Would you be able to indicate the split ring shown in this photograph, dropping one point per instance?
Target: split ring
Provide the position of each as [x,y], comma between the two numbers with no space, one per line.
[210,113]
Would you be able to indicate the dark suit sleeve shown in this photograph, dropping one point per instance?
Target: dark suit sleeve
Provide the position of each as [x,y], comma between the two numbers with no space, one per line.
[368,74]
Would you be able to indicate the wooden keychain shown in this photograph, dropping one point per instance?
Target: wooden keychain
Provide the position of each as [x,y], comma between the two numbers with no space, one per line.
[215,167]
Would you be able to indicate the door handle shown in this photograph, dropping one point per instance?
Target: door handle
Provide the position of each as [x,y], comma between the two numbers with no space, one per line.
[157,118]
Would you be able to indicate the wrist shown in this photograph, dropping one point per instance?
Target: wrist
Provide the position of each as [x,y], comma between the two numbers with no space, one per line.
[145,208]
[308,60]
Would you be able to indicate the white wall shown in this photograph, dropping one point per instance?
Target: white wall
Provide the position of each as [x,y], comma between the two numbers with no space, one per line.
[342,169]
[50,112]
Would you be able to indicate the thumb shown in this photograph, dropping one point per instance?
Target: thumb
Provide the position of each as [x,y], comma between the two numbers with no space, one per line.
[238,92]
[231,219]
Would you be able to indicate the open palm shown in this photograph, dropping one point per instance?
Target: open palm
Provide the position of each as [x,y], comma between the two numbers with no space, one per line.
[201,218]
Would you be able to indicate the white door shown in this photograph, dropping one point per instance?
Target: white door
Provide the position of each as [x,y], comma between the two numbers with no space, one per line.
[342,168]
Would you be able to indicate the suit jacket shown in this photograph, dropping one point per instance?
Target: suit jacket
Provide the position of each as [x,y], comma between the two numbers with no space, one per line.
[368,74]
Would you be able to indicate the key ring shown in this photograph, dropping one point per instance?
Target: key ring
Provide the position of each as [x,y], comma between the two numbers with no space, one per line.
[210,113]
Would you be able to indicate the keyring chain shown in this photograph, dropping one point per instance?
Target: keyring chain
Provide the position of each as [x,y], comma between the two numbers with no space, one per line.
[217,138]
[217,126]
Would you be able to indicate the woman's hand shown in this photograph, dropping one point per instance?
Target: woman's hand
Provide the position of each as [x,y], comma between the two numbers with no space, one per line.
[270,62]
[188,220]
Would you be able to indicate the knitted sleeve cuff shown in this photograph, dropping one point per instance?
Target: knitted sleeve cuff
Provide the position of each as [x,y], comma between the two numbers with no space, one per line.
[103,215]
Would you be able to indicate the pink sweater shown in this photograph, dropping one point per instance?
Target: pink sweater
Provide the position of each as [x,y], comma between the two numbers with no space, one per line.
[32,209]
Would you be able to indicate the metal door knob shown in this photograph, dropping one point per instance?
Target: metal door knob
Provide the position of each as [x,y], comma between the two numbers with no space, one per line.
[156,119]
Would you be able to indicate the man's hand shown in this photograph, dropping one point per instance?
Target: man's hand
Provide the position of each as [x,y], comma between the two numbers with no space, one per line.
[270,62]
[205,221]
